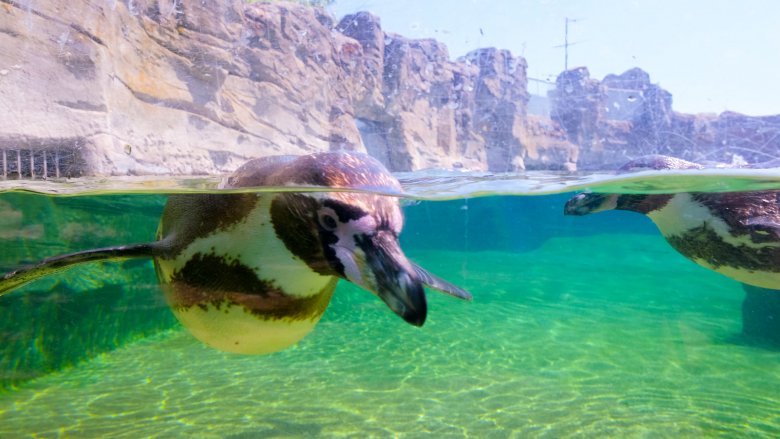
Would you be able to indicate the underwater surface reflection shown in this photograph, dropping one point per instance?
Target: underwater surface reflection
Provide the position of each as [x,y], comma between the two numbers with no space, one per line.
[589,326]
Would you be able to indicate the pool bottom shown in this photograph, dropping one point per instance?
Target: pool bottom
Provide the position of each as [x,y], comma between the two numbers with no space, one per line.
[575,338]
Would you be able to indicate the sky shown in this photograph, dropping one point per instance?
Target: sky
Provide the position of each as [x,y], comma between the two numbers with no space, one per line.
[712,55]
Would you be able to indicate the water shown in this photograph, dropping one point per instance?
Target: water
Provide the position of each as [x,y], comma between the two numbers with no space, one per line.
[580,326]
[440,184]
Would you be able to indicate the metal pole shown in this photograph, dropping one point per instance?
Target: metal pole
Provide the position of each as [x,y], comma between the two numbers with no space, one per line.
[566,46]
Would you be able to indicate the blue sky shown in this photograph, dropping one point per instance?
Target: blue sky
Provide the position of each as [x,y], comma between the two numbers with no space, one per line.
[712,55]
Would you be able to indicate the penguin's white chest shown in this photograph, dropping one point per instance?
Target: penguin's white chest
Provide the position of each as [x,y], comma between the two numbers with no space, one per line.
[239,289]
[693,230]
[682,213]
[253,243]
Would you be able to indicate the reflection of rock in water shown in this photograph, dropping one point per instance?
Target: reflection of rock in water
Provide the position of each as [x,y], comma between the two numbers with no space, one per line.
[12,224]
[761,314]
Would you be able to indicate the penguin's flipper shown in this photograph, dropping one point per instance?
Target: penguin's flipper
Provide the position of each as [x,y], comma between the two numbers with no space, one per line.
[54,264]
[439,284]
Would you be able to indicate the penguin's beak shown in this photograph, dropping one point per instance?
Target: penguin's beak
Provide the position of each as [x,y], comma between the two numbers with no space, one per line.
[587,202]
[385,271]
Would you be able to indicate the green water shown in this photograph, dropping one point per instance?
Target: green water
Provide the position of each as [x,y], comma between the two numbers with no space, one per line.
[552,346]
[586,327]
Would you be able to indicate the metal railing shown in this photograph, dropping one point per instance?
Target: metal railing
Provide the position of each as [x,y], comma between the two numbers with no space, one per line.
[25,163]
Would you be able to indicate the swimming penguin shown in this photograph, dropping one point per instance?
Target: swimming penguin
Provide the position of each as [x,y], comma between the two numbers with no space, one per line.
[736,234]
[253,272]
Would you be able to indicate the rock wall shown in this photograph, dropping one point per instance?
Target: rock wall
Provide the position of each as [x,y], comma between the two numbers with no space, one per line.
[139,88]
[158,87]
[626,116]
[125,87]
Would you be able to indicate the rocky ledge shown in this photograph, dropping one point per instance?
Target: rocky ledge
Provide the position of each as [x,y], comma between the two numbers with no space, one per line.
[156,87]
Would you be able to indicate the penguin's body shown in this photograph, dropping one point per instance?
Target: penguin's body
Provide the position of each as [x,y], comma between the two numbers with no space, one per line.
[736,234]
[226,290]
[254,272]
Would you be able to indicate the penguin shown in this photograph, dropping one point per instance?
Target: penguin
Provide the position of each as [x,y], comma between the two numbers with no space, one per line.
[736,234]
[253,272]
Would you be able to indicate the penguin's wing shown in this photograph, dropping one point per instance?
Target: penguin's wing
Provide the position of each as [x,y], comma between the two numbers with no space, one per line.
[55,264]
[439,284]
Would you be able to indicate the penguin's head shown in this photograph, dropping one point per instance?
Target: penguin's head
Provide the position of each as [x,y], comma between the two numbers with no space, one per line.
[588,202]
[359,237]
[591,202]
[351,234]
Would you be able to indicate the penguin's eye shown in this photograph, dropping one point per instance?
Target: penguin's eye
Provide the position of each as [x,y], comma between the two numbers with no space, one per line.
[328,222]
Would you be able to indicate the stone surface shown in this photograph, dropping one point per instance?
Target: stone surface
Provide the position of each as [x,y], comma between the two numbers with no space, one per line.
[626,116]
[158,87]
[141,87]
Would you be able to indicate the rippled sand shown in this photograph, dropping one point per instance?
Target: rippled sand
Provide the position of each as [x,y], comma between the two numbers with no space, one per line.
[576,338]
